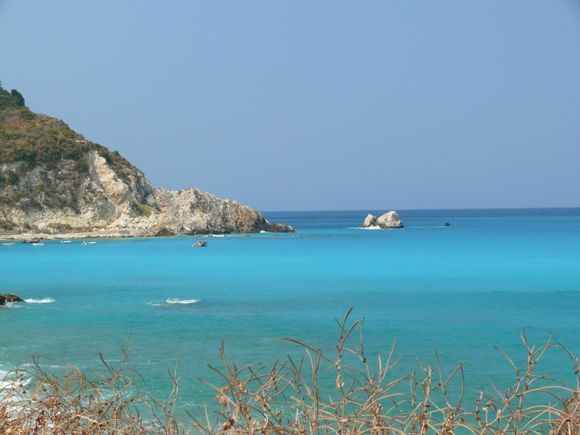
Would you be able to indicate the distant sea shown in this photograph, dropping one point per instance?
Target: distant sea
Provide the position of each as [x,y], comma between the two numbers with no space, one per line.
[461,290]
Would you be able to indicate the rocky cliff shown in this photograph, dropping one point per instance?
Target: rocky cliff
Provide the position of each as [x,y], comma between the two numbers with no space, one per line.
[53,181]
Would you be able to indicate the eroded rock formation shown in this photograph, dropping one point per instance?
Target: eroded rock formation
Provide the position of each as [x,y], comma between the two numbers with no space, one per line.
[53,182]
[390,219]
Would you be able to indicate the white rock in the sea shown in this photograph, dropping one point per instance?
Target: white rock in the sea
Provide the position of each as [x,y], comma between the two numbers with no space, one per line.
[370,221]
[390,219]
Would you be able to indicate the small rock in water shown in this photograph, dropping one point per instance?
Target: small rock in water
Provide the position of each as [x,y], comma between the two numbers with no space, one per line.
[446,224]
[390,219]
[370,221]
[9,298]
[12,298]
[200,244]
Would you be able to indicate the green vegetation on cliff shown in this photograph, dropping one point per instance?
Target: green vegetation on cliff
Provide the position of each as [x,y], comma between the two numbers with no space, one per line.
[10,99]
[45,165]
[33,140]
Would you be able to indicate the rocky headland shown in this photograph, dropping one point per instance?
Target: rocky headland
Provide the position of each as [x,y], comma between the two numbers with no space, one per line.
[390,219]
[55,183]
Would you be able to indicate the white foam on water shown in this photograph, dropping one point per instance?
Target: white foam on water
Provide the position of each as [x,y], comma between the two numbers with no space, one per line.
[263,232]
[172,302]
[8,385]
[181,301]
[12,382]
[7,244]
[372,227]
[39,301]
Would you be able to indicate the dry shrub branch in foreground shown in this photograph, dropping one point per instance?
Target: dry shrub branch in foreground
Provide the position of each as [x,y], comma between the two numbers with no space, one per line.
[291,396]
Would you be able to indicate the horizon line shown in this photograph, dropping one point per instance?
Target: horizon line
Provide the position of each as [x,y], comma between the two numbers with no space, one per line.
[575,207]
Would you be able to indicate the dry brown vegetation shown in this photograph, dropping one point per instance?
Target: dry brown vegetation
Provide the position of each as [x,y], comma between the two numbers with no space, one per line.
[79,402]
[290,396]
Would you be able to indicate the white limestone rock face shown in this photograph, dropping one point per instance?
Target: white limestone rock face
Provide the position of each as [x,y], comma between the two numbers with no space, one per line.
[370,221]
[191,211]
[117,191]
[115,201]
[390,219]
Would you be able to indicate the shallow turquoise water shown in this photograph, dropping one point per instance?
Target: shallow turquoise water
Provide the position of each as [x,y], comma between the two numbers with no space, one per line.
[461,290]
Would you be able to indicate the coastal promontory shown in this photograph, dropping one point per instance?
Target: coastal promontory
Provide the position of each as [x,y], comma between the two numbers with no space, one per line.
[54,182]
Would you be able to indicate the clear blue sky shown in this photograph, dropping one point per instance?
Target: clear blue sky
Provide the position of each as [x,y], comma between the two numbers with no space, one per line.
[297,105]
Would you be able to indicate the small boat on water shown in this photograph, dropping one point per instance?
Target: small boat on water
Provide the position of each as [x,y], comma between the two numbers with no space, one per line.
[37,244]
[7,244]
[65,241]
[89,243]
[32,241]
[199,244]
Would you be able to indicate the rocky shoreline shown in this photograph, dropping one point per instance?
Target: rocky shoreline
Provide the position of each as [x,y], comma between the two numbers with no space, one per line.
[107,202]
[55,183]
[104,234]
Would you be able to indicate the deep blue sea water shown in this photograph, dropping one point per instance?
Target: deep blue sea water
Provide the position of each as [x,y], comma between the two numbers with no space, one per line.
[462,290]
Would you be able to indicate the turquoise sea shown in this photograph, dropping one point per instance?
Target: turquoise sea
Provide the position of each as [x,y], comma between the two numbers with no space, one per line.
[461,290]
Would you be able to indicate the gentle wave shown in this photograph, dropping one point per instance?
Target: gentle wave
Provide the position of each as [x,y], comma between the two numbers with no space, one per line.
[173,302]
[8,385]
[39,301]
[9,382]
[181,301]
